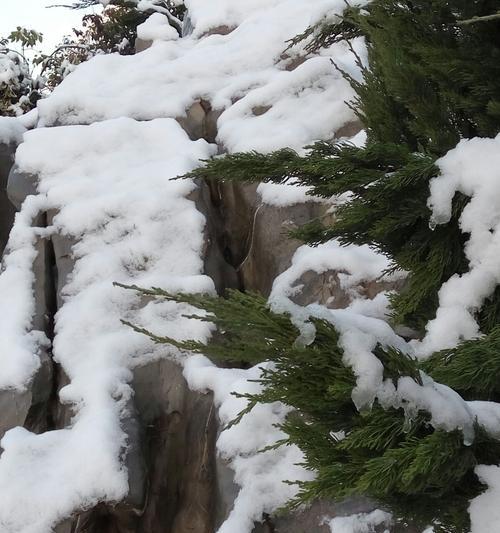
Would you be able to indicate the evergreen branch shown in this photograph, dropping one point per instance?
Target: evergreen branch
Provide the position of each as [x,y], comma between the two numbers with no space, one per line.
[188,346]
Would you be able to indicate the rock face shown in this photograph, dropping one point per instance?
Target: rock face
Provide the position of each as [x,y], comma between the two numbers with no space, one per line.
[271,250]
[181,428]
[326,289]
[177,484]
[255,235]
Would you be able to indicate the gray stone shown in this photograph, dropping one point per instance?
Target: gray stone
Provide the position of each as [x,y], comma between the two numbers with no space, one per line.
[223,29]
[236,205]
[7,210]
[227,491]
[45,308]
[24,408]
[311,519]
[181,429]
[20,185]
[30,408]
[63,260]
[14,407]
[216,264]
[187,26]
[271,249]
[135,461]
[349,129]
[200,121]
[326,289]
[142,44]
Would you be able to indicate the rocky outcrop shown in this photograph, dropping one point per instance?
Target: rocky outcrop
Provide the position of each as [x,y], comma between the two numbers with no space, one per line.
[177,484]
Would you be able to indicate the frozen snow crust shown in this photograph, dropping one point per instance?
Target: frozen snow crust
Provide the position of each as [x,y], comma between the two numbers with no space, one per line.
[105,150]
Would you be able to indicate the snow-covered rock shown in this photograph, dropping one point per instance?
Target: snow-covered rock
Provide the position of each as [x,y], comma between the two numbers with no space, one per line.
[132,434]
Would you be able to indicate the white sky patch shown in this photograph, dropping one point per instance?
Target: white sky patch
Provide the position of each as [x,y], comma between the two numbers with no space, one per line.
[54,22]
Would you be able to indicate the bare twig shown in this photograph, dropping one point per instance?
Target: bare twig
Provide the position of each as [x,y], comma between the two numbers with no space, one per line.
[48,59]
[473,20]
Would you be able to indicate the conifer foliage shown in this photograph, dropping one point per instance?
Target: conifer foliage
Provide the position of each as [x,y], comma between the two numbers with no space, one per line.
[425,476]
[432,78]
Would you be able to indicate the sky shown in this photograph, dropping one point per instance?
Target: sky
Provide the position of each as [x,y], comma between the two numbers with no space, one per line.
[54,23]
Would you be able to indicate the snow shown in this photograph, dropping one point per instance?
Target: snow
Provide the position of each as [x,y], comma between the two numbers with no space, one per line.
[360,523]
[236,73]
[472,168]
[156,28]
[11,130]
[282,195]
[206,16]
[10,70]
[110,189]
[109,184]
[484,510]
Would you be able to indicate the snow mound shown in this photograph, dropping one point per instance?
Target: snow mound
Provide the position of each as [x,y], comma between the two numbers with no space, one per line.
[156,28]
[11,130]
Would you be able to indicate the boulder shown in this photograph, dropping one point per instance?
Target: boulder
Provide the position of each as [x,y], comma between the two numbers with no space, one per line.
[19,186]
